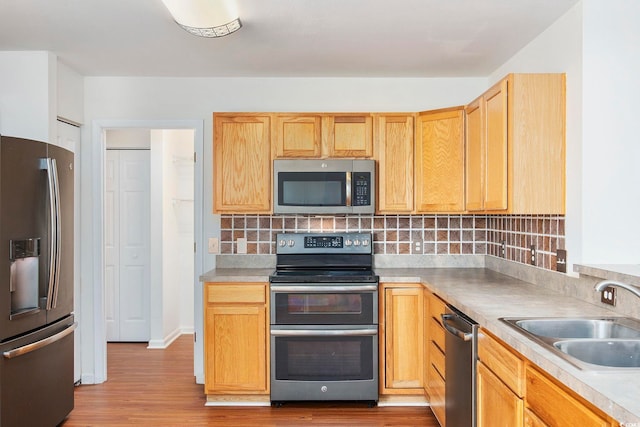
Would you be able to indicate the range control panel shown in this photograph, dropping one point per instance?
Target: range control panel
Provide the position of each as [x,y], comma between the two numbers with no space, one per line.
[303,243]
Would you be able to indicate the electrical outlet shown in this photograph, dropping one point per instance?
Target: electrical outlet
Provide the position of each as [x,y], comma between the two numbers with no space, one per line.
[533,254]
[214,245]
[608,295]
[241,245]
[416,247]
[503,249]
[561,260]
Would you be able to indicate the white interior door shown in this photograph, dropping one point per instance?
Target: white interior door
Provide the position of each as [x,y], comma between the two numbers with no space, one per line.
[127,245]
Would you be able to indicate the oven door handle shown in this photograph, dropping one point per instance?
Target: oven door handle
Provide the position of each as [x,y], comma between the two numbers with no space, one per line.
[323,333]
[324,289]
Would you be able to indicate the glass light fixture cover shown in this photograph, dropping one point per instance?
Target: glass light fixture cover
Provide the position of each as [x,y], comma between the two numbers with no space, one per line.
[205,18]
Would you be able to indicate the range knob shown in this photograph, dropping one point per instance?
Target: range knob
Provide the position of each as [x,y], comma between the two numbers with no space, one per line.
[365,242]
[356,242]
[282,242]
[291,242]
[324,389]
[348,242]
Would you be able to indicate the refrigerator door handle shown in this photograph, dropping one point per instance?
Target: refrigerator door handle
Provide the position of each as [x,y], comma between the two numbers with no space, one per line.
[54,220]
[39,344]
[58,243]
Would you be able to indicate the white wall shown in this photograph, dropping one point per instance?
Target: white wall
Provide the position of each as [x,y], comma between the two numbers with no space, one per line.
[26,95]
[177,234]
[180,189]
[559,50]
[70,95]
[611,147]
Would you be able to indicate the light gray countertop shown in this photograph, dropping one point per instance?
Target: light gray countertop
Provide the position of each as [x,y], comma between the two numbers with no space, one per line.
[486,296]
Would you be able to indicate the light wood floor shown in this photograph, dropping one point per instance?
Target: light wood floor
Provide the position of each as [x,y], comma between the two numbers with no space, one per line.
[157,387]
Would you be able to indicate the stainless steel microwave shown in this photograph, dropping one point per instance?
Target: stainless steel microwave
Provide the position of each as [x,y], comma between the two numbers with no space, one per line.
[329,186]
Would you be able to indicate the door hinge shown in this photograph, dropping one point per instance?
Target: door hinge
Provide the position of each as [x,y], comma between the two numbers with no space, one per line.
[195,157]
[194,247]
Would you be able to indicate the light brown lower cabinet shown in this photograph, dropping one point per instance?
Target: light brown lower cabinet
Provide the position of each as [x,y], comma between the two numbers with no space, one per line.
[435,370]
[402,339]
[499,384]
[497,406]
[236,339]
[554,405]
[514,392]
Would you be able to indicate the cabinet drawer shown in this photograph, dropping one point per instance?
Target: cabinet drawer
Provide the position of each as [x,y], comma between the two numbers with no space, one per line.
[554,405]
[437,334]
[437,307]
[437,360]
[501,361]
[253,293]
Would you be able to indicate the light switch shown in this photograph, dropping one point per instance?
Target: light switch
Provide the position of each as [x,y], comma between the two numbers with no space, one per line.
[214,245]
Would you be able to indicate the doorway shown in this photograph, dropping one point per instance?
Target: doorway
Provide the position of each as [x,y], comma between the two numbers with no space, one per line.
[166,323]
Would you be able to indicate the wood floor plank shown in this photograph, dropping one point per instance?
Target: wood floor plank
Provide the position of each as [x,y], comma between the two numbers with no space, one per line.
[157,388]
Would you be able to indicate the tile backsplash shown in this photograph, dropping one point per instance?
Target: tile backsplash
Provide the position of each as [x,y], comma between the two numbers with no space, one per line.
[411,234]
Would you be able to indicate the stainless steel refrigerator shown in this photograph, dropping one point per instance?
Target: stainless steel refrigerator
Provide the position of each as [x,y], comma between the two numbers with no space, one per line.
[36,283]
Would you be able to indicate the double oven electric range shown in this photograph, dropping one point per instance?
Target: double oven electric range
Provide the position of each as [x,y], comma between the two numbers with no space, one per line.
[324,318]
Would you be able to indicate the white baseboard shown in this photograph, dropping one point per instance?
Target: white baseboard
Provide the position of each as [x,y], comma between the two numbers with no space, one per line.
[166,342]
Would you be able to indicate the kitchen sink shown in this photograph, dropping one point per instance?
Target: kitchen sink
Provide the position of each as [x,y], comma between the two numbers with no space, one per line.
[610,353]
[579,328]
[590,343]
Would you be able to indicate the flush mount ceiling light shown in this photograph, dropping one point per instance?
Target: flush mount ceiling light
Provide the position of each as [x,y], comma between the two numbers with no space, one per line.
[205,18]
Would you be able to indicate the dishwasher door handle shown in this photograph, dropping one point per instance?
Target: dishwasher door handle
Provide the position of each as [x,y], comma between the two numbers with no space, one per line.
[448,325]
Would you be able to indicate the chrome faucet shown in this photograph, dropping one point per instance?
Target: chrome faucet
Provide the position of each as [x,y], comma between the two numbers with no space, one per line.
[631,288]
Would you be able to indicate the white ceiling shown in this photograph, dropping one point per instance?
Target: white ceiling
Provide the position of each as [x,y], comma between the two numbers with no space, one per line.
[282,38]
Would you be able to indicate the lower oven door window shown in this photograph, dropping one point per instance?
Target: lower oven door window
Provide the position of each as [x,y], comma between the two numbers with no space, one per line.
[332,355]
[323,306]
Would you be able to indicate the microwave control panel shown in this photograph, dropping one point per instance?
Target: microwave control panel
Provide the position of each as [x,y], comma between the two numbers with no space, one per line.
[361,189]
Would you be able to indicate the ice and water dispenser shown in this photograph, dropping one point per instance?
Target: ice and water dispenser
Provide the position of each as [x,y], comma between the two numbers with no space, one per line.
[25,259]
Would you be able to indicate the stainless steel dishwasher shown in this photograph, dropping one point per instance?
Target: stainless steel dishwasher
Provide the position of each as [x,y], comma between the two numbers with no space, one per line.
[461,343]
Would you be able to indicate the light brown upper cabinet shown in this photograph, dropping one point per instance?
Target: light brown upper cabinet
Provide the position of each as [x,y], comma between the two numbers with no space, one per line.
[439,161]
[242,163]
[348,135]
[475,156]
[516,146]
[314,135]
[297,135]
[393,152]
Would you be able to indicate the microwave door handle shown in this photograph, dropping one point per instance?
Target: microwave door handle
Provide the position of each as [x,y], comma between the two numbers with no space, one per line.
[348,188]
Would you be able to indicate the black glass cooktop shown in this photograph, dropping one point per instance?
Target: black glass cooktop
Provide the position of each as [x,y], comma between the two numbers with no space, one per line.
[323,276]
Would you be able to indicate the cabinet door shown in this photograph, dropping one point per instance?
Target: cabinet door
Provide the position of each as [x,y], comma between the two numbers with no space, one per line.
[495,108]
[404,335]
[242,160]
[498,406]
[393,152]
[297,136]
[439,161]
[475,158]
[555,406]
[235,349]
[348,135]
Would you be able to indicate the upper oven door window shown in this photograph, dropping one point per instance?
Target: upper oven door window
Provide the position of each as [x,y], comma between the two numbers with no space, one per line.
[312,189]
[309,307]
